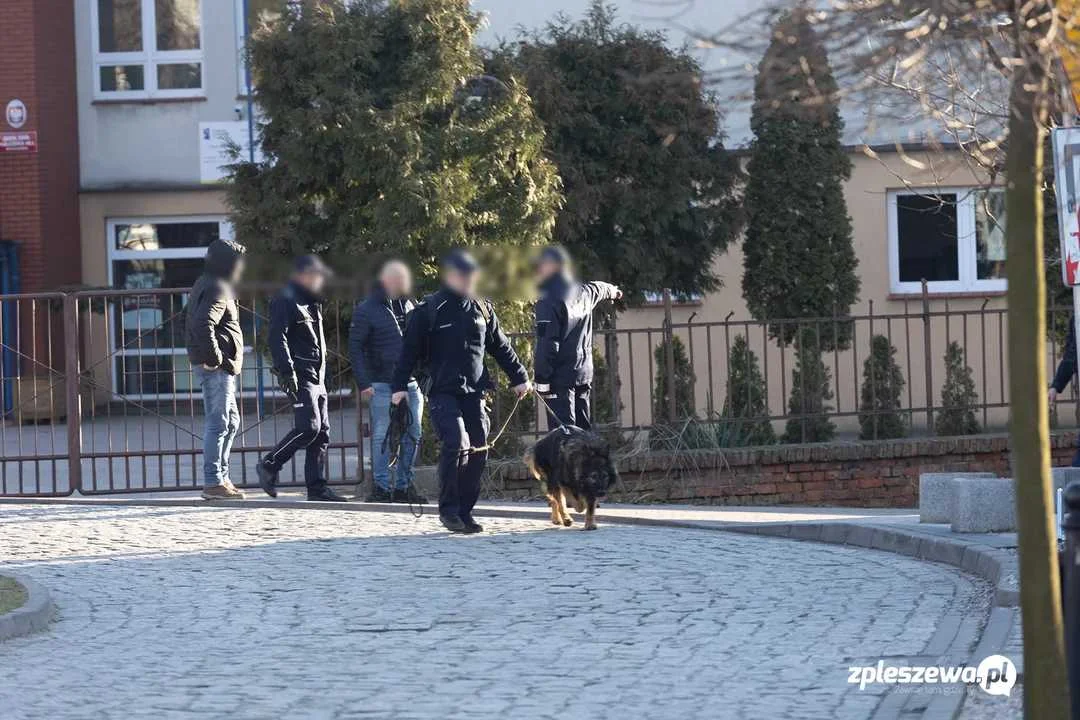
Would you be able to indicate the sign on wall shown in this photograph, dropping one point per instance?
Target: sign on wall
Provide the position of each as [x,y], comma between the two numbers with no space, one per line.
[16,114]
[1067,187]
[18,142]
[215,141]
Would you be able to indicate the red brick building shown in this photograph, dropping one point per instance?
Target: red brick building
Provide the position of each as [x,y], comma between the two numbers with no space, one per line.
[39,146]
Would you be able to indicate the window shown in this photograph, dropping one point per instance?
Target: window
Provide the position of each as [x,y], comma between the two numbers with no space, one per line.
[952,238]
[148,331]
[147,48]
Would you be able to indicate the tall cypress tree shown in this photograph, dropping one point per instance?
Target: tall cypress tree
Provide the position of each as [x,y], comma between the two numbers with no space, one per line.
[798,257]
[382,135]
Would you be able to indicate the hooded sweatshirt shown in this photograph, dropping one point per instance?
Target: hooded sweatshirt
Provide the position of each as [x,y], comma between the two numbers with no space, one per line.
[213,334]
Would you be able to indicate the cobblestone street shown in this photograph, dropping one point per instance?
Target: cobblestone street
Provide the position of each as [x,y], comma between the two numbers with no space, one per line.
[270,613]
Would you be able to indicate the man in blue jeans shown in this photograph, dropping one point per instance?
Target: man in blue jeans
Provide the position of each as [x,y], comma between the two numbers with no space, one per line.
[215,346]
[378,325]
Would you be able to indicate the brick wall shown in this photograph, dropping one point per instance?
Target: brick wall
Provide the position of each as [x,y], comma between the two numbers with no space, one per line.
[39,191]
[856,474]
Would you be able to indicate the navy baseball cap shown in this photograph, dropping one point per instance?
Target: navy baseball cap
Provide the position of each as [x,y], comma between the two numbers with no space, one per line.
[554,253]
[311,263]
[460,260]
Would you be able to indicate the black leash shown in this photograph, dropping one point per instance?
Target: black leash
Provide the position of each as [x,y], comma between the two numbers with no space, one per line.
[401,426]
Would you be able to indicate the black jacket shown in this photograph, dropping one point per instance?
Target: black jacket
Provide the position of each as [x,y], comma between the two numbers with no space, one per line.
[212,330]
[1067,367]
[451,334]
[296,338]
[564,330]
[375,337]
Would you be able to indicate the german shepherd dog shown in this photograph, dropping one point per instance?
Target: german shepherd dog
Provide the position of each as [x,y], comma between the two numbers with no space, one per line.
[574,467]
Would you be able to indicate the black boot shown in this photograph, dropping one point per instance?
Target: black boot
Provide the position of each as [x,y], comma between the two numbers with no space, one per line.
[267,479]
[410,495]
[326,495]
[453,523]
[471,526]
[379,495]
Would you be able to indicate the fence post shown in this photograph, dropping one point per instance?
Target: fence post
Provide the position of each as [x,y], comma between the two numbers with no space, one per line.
[73,396]
[669,355]
[928,359]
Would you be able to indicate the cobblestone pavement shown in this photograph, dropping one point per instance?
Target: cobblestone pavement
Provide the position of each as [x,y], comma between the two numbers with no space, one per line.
[223,613]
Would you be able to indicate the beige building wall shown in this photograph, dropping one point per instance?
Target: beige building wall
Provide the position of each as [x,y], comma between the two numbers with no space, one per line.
[975,320]
[97,208]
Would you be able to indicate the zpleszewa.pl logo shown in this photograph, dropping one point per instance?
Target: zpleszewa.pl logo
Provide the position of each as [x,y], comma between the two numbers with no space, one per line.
[996,675]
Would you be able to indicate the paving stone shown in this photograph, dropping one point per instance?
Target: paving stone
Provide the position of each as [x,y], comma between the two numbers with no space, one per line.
[249,614]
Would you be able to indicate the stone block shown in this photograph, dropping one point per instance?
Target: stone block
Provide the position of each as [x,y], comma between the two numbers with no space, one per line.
[983,505]
[936,494]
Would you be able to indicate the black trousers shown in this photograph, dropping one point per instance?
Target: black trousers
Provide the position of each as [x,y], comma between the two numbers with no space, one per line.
[570,406]
[311,431]
[461,422]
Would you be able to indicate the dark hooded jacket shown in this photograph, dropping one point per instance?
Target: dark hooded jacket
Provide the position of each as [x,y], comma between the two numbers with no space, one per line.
[564,331]
[213,332]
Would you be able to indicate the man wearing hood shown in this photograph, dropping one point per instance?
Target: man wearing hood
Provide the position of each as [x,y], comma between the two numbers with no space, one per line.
[215,346]
[564,338]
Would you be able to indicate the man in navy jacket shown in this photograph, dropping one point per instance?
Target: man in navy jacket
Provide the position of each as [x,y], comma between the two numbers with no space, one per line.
[449,334]
[298,347]
[375,338]
[564,338]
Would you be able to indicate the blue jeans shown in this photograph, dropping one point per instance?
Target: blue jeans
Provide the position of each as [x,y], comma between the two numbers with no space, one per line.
[380,425]
[222,422]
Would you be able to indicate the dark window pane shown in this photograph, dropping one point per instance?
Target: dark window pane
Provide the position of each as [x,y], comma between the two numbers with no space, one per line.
[990,234]
[177,24]
[181,76]
[122,78]
[152,320]
[120,25]
[927,237]
[165,236]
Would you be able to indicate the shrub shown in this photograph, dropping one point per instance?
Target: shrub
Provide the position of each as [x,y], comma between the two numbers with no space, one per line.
[684,383]
[808,404]
[958,396]
[879,406]
[746,411]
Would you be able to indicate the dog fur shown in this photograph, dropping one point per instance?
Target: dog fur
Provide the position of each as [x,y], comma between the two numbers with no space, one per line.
[574,468]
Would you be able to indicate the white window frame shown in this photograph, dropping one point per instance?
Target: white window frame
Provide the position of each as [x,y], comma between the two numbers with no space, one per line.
[114,254]
[967,250]
[149,58]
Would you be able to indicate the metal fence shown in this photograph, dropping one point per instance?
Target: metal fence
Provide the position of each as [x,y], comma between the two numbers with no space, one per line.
[118,356]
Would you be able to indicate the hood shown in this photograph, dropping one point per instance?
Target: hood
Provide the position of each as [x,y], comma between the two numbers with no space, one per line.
[222,256]
[557,284]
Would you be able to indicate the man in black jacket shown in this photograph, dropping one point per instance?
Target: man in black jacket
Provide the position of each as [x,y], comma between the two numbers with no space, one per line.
[1066,369]
[378,325]
[215,346]
[298,348]
[450,333]
[564,338]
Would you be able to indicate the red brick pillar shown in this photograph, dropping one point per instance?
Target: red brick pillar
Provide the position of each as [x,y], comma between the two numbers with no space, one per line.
[39,203]
[39,187]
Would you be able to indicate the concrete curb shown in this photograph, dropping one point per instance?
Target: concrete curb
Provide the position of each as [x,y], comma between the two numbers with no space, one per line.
[33,616]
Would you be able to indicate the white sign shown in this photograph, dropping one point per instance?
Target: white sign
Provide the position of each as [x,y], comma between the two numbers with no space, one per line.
[1067,187]
[16,113]
[215,141]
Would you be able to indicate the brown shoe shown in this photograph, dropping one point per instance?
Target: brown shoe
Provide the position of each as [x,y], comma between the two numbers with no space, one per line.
[222,492]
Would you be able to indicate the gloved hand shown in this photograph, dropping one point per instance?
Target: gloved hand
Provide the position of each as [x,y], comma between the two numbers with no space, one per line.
[290,386]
